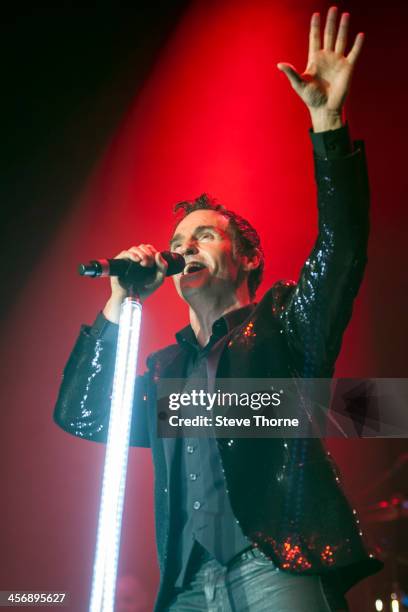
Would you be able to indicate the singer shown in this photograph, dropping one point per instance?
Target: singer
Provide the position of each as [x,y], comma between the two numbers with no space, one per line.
[258,525]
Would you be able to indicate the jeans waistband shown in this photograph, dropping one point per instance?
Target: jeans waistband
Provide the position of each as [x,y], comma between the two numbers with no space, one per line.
[201,555]
[250,553]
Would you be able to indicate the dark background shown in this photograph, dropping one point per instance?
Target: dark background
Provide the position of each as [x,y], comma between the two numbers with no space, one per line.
[69,73]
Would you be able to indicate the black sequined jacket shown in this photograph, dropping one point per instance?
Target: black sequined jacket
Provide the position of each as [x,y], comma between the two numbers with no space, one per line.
[285,494]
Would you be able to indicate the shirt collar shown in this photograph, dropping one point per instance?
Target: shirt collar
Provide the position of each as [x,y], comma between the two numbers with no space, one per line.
[221,327]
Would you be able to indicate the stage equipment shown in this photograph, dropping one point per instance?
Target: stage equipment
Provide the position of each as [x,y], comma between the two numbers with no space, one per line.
[129,271]
[117,449]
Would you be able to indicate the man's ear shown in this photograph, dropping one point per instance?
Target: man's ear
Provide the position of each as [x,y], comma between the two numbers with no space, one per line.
[251,262]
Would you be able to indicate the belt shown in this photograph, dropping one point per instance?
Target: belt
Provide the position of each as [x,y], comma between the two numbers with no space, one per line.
[201,555]
[250,553]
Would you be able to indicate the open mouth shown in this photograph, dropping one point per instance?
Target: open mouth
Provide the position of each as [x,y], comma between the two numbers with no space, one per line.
[193,266]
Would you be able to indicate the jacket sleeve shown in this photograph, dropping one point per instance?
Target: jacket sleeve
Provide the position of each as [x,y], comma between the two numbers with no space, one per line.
[319,306]
[83,404]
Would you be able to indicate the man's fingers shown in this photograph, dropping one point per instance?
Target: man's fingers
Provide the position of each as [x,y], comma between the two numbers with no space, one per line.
[355,51]
[161,270]
[330,29]
[149,253]
[129,254]
[161,263]
[135,253]
[294,77]
[138,254]
[341,40]
[314,35]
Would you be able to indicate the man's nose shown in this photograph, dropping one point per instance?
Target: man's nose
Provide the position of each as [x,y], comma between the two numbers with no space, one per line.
[188,248]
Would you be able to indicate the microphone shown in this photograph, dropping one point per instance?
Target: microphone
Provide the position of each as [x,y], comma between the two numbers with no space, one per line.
[129,271]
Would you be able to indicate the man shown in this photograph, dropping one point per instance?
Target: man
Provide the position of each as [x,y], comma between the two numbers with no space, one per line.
[248,524]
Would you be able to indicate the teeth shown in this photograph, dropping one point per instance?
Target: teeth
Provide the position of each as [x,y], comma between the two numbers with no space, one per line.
[192,265]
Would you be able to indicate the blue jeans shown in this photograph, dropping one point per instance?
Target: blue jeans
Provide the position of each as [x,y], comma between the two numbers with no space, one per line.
[253,584]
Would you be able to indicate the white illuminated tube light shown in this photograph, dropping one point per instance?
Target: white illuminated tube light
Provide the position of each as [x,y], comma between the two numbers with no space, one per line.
[117,449]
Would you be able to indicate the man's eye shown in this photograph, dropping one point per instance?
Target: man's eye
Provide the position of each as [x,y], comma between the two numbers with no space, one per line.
[206,235]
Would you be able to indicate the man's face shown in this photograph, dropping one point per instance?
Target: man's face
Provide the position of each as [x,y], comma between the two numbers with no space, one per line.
[212,266]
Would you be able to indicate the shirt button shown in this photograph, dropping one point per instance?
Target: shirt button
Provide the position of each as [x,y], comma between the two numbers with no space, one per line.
[193,476]
[190,449]
[196,505]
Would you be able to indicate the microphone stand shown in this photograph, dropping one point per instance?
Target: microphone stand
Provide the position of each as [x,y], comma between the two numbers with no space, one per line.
[116,458]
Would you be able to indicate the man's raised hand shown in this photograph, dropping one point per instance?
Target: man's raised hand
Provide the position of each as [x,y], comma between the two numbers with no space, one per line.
[324,84]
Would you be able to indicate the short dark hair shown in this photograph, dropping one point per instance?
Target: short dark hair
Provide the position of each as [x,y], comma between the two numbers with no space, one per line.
[246,238]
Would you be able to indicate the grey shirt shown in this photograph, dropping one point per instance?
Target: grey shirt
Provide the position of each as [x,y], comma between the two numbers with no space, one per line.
[204,514]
